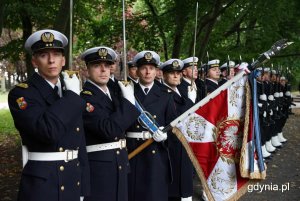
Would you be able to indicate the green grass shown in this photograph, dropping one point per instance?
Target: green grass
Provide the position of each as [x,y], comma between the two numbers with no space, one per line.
[3,97]
[7,126]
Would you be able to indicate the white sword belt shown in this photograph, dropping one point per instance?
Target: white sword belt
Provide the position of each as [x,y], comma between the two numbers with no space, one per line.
[67,155]
[107,146]
[140,135]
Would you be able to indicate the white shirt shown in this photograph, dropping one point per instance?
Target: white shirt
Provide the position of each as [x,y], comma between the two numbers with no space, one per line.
[213,81]
[106,91]
[112,77]
[58,84]
[149,87]
[176,90]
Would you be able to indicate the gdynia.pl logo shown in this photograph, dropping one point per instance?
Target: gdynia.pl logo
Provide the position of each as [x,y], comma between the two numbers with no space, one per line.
[268,187]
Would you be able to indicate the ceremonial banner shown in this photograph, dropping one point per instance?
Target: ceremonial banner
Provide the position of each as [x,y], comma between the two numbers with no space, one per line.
[214,135]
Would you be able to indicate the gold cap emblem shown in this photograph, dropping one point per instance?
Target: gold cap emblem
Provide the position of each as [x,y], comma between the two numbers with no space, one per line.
[148,56]
[175,64]
[103,53]
[47,37]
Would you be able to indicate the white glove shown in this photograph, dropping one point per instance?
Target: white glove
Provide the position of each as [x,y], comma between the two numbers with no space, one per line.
[192,93]
[244,66]
[81,198]
[159,136]
[72,83]
[127,92]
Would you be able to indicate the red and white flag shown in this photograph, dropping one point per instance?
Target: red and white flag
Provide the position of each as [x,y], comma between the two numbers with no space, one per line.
[214,132]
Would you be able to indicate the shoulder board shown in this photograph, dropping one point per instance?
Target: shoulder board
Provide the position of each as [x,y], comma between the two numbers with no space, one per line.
[87,93]
[22,85]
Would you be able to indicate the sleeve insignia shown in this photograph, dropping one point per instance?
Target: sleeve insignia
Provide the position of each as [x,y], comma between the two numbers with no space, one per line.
[89,107]
[21,103]
[22,85]
[87,93]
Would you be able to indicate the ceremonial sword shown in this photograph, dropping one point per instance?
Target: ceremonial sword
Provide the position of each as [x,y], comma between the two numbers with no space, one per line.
[194,48]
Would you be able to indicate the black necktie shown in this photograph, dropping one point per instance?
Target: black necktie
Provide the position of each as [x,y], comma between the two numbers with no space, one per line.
[146,90]
[56,91]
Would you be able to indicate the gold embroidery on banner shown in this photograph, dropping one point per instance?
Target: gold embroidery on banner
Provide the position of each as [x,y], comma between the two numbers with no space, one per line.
[195,127]
[217,180]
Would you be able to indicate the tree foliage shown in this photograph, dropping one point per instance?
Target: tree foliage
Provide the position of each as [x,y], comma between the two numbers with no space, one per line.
[225,27]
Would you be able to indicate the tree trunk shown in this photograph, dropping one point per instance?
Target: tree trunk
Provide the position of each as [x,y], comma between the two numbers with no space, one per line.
[181,18]
[160,28]
[27,31]
[2,6]
[62,24]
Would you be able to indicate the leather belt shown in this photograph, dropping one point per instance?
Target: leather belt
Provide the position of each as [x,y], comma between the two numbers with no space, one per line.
[66,156]
[107,146]
[141,135]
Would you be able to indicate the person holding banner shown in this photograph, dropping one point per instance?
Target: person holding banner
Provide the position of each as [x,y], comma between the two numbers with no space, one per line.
[150,170]
[47,112]
[105,120]
[182,186]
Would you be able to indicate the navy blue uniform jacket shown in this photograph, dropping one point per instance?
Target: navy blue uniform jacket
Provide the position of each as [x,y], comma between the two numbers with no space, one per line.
[211,86]
[150,170]
[50,124]
[182,168]
[183,89]
[107,123]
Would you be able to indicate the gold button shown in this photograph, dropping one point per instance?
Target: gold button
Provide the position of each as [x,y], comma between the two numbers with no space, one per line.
[116,138]
[78,183]
[77,129]
[120,167]
[154,116]
[153,151]
[137,126]
[77,148]
[62,188]
[61,149]
[118,152]
[78,164]
[61,168]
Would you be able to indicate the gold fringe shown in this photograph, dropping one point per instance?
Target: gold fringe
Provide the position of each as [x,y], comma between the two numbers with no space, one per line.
[245,172]
[195,162]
